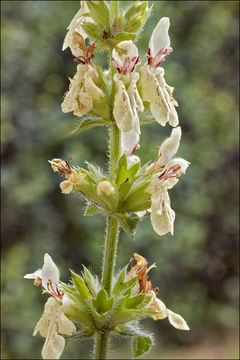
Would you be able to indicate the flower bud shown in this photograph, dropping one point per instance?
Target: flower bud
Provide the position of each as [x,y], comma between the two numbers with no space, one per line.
[105,188]
[66,187]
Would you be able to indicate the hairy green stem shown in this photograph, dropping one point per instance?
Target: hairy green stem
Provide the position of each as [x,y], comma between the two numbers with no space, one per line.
[101,346]
[109,253]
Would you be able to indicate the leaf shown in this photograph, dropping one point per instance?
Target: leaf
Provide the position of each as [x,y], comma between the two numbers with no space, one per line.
[89,123]
[122,170]
[92,30]
[119,283]
[94,172]
[91,281]
[136,197]
[99,12]
[128,224]
[132,171]
[122,36]
[80,285]
[124,190]
[92,209]
[102,304]
[79,335]
[141,345]
[133,302]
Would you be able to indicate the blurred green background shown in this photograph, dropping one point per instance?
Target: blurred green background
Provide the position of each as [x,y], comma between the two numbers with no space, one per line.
[197,267]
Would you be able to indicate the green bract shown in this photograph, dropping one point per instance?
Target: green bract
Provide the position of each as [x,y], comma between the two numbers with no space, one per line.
[93,311]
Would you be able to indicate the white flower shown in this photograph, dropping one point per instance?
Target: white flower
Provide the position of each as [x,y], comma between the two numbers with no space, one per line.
[82,91]
[168,170]
[127,102]
[75,27]
[53,321]
[154,87]
[48,277]
[162,216]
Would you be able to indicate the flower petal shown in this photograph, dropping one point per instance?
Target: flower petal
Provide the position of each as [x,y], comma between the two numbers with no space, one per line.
[157,306]
[162,216]
[169,147]
[50,309]
[54,344]
[50,273]
[129,141]
[177,320]
[123,112]
[37,274]
[160,38]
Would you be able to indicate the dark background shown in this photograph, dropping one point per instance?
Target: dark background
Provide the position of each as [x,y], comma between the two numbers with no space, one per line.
[197,267]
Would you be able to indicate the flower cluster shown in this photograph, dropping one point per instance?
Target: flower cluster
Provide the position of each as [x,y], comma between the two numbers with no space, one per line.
[135,91]
[73,176]
[53,323]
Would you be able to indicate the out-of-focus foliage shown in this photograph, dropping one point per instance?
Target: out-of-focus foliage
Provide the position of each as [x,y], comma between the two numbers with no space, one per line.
[197,267]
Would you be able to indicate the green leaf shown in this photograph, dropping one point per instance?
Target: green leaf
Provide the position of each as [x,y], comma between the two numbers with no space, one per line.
[122,286]
[133,302]
[136,8]
[92,30]
[122,36]
[102,304]
[92,209]
[132,171]
[89,123]
[99,12]
[141,345]
[95,172]
[124,190]
[122,171]
[128,224]
[80,285]
[79,335]
[91,281]
[137,197]
[119,283]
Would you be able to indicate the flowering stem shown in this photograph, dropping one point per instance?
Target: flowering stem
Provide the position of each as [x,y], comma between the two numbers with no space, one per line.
[111,238]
